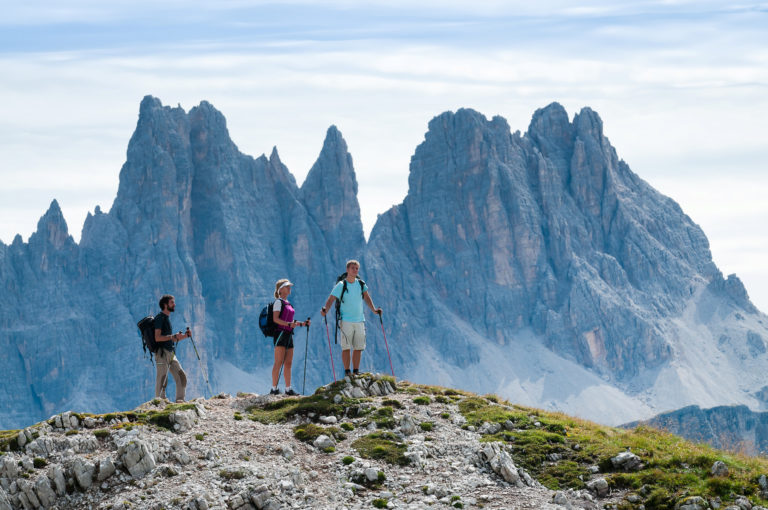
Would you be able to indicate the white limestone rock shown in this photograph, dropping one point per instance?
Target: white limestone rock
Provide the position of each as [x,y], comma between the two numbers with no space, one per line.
[137,457]
[106,469]
[322,442]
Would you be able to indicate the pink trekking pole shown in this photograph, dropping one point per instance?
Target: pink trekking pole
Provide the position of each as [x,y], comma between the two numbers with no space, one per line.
[386,345]
[330,352]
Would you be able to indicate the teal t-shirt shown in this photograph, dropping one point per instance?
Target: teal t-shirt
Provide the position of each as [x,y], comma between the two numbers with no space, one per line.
[352,306]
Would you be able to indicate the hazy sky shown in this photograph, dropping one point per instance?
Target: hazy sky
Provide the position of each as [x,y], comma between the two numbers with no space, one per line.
[681,88]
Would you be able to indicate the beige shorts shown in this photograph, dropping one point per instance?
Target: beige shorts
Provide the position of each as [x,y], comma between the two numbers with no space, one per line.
[352,335]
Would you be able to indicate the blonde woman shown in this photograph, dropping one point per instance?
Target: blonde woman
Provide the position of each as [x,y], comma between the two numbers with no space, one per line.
[282,315]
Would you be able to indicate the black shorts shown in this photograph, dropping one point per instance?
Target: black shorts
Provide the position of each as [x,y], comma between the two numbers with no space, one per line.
[284,339]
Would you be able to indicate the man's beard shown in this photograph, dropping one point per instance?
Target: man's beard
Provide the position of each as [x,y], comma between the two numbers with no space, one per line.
[172,308]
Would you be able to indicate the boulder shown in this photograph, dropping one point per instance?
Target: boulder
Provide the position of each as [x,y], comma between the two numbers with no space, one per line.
[719,469]
[83,471]
[322,442]
[45,493]
[692,503]
[136,457]
[408,425]
[106,469]
[599,486]
[627,461]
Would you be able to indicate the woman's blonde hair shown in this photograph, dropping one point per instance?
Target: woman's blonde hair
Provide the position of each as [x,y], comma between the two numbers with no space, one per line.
[278,283]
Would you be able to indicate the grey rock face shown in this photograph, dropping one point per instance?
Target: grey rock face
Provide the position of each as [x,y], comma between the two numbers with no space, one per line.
[193,217]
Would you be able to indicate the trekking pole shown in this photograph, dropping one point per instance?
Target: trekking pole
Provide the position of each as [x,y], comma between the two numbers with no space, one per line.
[386,345]
[330,352]
[202,369]
[306,348]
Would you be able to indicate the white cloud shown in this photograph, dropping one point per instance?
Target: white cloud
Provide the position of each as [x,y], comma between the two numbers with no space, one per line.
[680,87]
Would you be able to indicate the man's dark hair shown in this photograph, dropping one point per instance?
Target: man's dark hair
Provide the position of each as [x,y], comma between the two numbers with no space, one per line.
[165,300]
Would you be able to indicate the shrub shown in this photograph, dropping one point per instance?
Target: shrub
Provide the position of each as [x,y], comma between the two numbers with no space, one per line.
[422,401]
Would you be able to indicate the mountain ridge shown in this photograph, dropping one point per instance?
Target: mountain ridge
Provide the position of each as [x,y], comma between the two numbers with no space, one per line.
[591,292]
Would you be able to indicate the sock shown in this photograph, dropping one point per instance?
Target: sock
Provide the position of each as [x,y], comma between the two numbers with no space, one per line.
[347,371]
[274,388]
[356,371]
[287,388]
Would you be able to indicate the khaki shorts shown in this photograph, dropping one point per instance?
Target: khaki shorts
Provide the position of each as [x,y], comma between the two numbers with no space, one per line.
[352,335]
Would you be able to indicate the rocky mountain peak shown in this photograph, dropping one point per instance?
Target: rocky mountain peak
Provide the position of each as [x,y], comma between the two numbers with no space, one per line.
[330,195]
[52,229]
[552,132]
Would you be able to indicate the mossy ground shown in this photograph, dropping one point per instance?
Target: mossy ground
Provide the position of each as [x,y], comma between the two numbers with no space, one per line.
[309,432]
[558,450]
[384,446]
[319,404]
[9,440]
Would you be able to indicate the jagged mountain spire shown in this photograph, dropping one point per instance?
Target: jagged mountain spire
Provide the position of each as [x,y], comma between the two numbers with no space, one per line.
[330,196]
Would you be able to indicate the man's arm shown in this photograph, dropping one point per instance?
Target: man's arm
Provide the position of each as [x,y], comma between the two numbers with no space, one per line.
[369,302]
[328,304]
[160,338]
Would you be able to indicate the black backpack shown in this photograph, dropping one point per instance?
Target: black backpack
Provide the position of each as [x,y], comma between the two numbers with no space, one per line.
[267,321]
[343,276]
[147,333]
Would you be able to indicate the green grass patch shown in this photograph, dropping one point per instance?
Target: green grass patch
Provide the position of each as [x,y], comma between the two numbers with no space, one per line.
[72,432]
[384,446]
[673,468]
[379,503]
[422,401]
[426,426]
[321,404]
[445,416]
[347,426]
[347,460]
[101,433]
[309,432]
[39,462]
[9,440]
[393,403]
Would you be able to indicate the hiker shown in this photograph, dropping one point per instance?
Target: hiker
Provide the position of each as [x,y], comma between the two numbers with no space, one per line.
[166,350]
[282,315]
[351,292]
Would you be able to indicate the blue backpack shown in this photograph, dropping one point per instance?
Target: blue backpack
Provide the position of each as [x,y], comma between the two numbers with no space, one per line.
[267,322]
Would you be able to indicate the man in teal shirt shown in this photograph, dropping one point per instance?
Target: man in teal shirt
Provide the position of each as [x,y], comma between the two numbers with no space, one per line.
[352,324]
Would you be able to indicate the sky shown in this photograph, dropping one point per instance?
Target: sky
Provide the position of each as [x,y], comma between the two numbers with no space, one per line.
[681,86]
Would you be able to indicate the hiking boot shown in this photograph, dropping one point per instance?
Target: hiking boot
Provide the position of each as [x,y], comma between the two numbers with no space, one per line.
[274,392]
[291,392]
